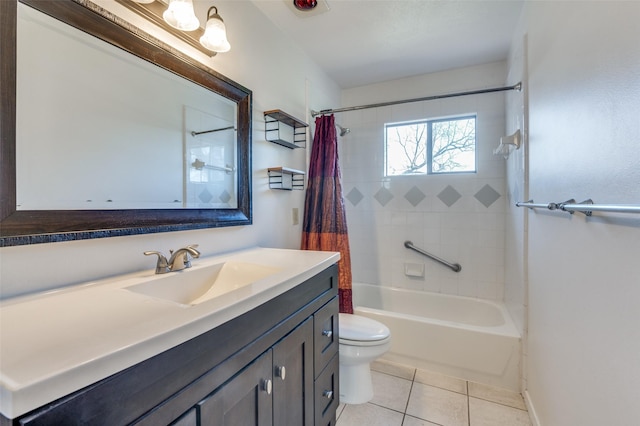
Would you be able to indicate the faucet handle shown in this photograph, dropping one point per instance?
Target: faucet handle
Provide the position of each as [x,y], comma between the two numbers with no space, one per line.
[190,252]
[162,266]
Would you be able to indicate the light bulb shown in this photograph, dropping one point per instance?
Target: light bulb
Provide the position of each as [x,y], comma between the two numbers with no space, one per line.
[180,15]
[215,33]
[305,5]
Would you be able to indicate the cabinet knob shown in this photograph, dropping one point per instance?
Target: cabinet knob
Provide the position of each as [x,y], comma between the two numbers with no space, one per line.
[281,372]
[267,386]
[328,394]
[327,333]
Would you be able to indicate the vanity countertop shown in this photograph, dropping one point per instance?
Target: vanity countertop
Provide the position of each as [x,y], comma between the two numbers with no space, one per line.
[54,343]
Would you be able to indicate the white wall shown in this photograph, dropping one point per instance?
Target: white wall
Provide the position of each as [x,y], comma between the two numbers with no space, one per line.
[583,365]
[281,76]
[466,232]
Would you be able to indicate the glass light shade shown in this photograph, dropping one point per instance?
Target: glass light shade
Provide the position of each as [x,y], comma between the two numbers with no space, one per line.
[143,1]
[215,35]
[180,15]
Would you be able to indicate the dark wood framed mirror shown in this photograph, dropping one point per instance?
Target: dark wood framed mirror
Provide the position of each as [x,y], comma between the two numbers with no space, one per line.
[26,226]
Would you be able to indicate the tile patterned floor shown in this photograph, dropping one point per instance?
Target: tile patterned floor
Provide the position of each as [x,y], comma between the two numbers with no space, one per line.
[405,396]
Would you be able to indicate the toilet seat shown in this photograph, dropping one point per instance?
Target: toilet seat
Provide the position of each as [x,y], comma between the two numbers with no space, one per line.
[357,330]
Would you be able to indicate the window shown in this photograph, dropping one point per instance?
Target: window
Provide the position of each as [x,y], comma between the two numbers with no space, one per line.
[431,146]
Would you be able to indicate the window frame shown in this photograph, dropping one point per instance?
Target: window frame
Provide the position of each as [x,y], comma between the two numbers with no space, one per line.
[429,144]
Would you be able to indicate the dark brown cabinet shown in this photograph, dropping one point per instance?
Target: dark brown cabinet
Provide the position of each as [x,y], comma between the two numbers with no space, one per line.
[274,365]
[277,388]
[293,377]
[245,400]
[326,394]
[325,335]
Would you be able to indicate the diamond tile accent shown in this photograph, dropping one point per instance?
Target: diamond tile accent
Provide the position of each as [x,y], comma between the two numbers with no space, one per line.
[205,196]
[414,196]
[355,196]
[224,196]
[383,196]
[487,195]
[449,195]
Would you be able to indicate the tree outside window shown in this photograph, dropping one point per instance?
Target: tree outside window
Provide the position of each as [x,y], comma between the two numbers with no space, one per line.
[431,146]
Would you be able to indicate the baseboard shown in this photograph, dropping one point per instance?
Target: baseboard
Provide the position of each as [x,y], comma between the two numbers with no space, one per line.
[533,416]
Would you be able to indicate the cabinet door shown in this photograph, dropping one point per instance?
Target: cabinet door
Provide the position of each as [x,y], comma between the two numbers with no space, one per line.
[190,418]
[293,377]
[245,400]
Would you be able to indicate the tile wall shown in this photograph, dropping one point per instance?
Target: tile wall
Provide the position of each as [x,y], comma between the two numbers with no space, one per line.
[459,217]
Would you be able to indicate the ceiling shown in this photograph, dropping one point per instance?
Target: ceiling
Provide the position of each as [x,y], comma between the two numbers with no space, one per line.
[360,42]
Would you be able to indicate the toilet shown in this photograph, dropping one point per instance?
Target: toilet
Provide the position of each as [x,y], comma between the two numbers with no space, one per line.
[362,340]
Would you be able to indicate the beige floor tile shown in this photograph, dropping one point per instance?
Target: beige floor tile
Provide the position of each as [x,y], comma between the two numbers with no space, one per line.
[390,391]
[486,413]
[414,421]
[441,381]
[369,415]
[501,396]
[393,368]
[339,410]
[438,405]
[433,400]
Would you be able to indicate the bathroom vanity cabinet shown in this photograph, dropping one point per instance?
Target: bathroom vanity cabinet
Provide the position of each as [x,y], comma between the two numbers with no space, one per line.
[276,364]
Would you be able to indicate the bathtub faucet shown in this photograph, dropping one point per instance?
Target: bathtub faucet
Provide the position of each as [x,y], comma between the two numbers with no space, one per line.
[179,260]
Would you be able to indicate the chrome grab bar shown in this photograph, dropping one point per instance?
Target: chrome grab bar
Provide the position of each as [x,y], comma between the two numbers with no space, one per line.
[199,165]
[455,267]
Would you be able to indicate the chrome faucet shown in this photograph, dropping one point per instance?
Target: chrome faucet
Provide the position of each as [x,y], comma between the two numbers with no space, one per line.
[179,260]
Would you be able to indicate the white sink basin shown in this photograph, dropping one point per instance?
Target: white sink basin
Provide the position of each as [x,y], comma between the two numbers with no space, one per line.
[139,315]
[196,285]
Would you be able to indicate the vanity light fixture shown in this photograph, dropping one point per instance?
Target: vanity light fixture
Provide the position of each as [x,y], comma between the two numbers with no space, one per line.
[179,19]
[181,16]
[215,33]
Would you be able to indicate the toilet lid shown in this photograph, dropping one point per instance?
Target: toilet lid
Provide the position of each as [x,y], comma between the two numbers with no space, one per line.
[359,328]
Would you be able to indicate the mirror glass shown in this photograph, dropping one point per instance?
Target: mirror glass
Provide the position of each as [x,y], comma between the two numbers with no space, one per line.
[98,128]
[115,131]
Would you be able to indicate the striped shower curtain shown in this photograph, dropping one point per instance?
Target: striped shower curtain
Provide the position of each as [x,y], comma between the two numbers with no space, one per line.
[325,222]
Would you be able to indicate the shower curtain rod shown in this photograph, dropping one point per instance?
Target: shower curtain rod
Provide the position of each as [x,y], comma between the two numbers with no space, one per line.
[517,86]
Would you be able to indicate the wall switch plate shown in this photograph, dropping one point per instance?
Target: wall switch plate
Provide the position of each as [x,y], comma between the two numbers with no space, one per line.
[295,216]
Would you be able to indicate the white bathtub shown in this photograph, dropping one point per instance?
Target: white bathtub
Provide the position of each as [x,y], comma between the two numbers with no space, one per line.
[463,337]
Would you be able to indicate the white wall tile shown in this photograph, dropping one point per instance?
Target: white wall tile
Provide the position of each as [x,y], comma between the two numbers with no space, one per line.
[466,232]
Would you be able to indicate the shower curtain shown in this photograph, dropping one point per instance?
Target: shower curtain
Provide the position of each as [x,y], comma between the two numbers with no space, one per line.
[325,222]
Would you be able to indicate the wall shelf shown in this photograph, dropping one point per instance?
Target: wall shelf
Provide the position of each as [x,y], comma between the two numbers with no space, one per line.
[285,178]
[284,129]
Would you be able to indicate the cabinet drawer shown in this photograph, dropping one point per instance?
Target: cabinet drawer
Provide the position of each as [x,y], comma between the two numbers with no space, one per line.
[327,393]
[325,335]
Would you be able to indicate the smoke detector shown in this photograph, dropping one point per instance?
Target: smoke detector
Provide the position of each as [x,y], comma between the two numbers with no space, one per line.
[307,8]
